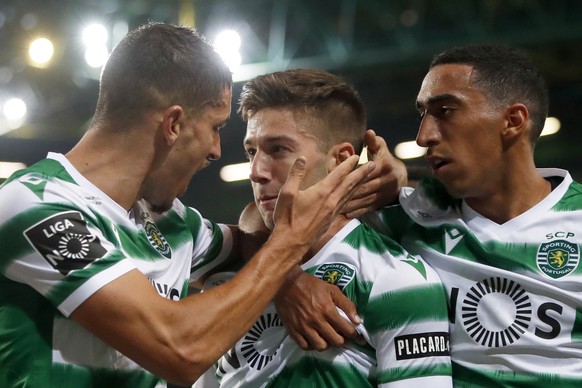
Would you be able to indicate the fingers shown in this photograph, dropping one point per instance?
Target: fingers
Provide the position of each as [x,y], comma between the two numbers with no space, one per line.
[296,175]
[374,143]
[346,185]
[347,306]
[300,340]
[323,338]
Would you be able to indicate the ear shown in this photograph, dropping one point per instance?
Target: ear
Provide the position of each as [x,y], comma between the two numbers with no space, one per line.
[171,123]
[338,153]
[517,122]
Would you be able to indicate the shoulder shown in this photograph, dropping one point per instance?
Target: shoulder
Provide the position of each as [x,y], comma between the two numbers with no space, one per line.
[568,190]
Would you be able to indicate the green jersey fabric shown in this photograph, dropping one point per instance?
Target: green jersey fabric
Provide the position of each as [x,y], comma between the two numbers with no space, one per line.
[62,240]
[515,290]
[401,301]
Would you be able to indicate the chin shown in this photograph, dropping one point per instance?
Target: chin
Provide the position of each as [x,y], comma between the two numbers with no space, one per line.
[161,208]
[268,220]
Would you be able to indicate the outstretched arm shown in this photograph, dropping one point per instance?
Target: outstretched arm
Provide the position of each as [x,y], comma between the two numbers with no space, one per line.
[178,341]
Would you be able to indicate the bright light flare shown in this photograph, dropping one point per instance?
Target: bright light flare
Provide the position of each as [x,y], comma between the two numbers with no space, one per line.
[8,168]
[96,56]
[227,45]
[551,126]
[95,35]
[14,109]
[409,150]
[41,51]
[235,172]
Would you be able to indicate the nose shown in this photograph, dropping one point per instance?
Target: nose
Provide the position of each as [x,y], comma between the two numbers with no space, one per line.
[215,151]
[428,134]
[260,172]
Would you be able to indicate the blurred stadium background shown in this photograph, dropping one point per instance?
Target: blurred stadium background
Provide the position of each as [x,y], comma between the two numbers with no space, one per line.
[382,47]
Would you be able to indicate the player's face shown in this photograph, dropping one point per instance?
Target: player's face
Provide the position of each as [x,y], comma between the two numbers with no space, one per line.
[462,131]
[197,144]
[275,138]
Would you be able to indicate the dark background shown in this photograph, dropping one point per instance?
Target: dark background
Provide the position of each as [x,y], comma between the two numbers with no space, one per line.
[382,47]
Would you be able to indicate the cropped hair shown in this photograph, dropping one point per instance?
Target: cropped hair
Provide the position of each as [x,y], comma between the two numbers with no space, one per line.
[158,65]
[321,98]
[506,75]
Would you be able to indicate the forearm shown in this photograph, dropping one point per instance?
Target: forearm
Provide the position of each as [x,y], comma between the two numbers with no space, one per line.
[217,318]
[178,341]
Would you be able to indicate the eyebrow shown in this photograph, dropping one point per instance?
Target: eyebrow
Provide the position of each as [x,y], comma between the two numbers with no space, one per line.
[274,139]
[436,99]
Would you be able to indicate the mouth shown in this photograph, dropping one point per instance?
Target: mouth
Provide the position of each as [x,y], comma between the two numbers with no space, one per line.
[267,200]
[436,163]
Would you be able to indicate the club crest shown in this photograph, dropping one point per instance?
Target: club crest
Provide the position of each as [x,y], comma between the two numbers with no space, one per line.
[558,258]
[338,274]
[157,240]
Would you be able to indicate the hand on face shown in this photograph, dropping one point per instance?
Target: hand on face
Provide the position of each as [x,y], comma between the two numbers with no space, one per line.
[304,216]
[384,182]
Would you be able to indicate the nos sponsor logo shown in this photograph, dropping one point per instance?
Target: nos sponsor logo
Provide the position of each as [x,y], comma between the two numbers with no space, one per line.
[65,242]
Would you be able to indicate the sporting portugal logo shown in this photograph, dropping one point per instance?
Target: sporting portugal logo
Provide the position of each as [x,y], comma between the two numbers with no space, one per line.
[558,258]
[338,274]
[157,240]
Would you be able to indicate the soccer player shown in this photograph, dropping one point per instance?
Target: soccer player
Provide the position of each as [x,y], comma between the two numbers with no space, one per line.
[97,251]
[504,236]
[399,297]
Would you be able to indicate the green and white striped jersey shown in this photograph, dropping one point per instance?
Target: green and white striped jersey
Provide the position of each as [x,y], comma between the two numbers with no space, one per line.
[515,289]
[401,301]
[62,240]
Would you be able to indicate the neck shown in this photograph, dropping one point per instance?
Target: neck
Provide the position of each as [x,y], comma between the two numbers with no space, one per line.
[336,225]
[114,163]
[512,199]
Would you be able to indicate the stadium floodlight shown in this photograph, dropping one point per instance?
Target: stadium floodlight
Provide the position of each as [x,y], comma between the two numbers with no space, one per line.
[8,168]
[95,35]
[551,126]
[96,56]
[14,109]
[41,51]
[235,172]
[409,150]
[227,45]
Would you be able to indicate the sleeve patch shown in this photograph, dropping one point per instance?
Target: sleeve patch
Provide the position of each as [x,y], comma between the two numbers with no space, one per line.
[65,242]
[421,345]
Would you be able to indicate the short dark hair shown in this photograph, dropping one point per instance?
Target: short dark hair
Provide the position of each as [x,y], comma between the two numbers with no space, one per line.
[160,64]
[326,98]
[506,75]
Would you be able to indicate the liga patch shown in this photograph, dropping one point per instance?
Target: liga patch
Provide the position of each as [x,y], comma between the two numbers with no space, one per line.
[421,345]
[65,242]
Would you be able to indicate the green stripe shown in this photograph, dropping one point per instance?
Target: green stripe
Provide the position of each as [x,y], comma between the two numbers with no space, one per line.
[403,373]
[400,308]
[577,327]
[68,284]
[312,372]
[464,377]
[572,200]
[506,256]
[214,250]
[374,242]
[25,335]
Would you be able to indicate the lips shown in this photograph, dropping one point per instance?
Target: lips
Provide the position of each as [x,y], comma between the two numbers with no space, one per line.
[267,201]
[436,162]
